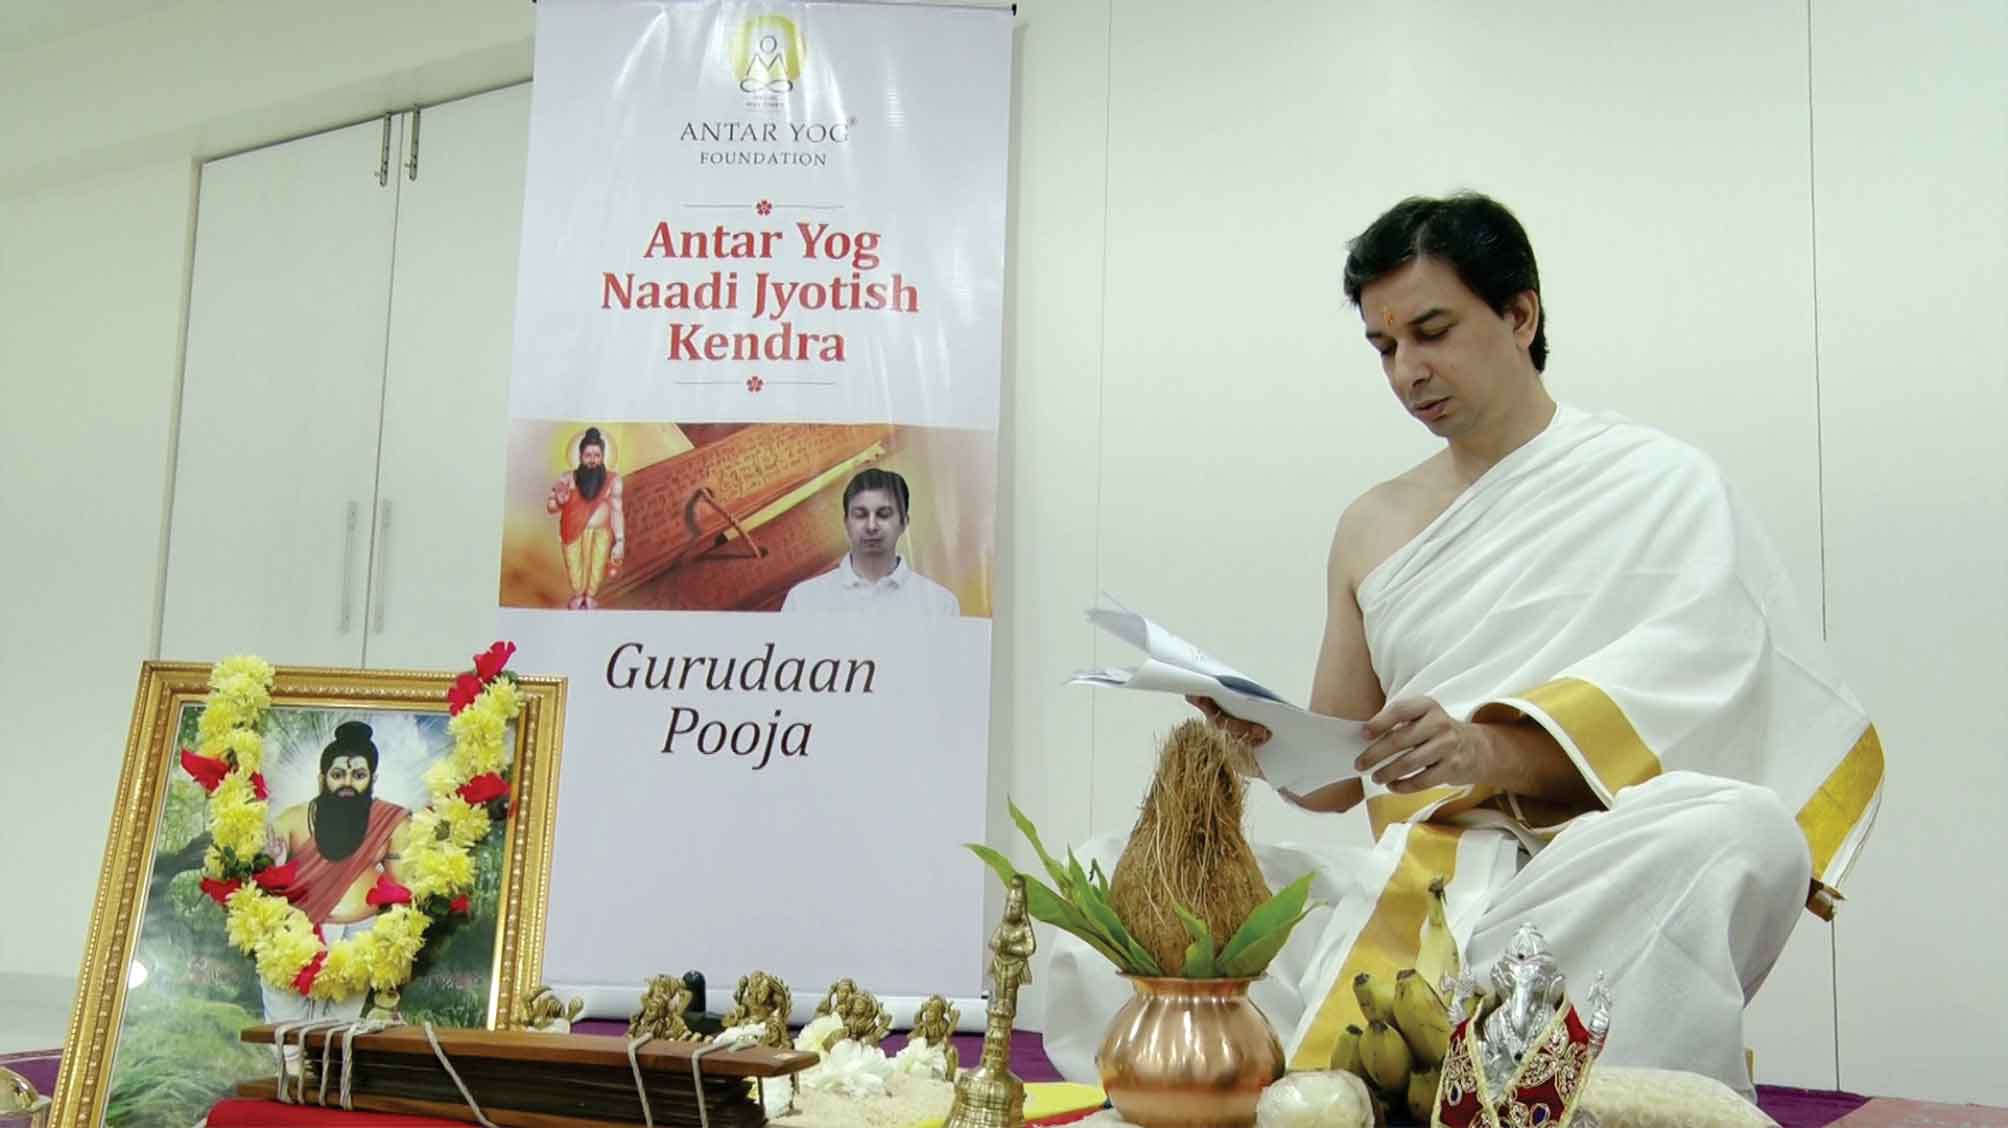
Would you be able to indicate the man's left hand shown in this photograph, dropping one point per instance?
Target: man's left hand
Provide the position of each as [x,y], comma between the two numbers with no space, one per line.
[1416,746]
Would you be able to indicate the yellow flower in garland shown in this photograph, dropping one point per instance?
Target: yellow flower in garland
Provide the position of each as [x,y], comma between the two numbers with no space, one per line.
[248,747]
[219,718]
[254,914]
[345,973]
[450,819]
[443,778]
[282,952]
[439,868]
[479,758]
[244,675]
[501,697]
[389,949]
[239,825]
[466,825]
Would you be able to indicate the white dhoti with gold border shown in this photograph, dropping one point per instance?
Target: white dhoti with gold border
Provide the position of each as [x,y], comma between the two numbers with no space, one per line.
[1602,582]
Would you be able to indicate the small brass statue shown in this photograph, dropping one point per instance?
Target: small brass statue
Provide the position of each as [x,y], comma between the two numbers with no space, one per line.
[866,1021]
[764,999]
[663,1004]
[990,1096]
[932,1026]
[544,1013]
[833,1002]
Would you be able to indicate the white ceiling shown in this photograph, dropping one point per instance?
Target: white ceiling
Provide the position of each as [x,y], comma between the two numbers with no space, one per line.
[26,23]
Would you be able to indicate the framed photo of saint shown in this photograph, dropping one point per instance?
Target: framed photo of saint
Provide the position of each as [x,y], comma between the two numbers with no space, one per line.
[164,992]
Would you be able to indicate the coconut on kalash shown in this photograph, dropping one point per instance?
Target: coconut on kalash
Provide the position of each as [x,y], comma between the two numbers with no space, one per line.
[1189,920]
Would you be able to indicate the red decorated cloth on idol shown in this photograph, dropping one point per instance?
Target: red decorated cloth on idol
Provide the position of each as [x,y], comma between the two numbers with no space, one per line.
[1542,1090]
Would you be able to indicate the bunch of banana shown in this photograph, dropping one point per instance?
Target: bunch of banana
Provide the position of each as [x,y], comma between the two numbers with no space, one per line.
[1400,1052]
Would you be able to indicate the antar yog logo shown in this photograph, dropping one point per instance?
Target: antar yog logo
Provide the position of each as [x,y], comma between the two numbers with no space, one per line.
[767,55]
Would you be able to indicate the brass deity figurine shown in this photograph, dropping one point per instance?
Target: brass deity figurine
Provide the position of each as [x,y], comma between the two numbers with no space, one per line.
[663,1005]
[545,1013]
[866,1020]
[833,1001]
[990,1096]
[932,1026]
[762,998]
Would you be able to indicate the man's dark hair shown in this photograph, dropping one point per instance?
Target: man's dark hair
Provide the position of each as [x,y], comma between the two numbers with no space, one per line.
[592,437]
[1473,233]
[352,738]
[877,479]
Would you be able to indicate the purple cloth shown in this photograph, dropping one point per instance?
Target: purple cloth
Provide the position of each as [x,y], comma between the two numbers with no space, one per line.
[1805,1108]
[38,1066]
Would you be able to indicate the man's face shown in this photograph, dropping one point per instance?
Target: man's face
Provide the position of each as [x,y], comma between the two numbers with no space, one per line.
[1449,359]
[873,523]
[590,457]
[348,776]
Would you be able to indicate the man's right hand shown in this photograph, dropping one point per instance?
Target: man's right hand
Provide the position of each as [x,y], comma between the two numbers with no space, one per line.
[1251,734]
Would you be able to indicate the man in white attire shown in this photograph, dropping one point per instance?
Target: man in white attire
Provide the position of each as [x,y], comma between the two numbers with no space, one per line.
[1593,703]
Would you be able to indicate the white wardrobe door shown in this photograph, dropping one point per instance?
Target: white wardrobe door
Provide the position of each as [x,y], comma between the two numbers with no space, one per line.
[439,501]
[275,467]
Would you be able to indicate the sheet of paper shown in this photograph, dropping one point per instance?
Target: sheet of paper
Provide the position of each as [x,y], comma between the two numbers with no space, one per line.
[1305,750]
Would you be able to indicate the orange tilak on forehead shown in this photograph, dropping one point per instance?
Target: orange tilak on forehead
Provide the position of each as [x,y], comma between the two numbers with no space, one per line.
[1390,319]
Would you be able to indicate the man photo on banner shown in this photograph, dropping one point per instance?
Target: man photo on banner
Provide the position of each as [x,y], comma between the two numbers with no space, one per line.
[873,576]
[592,520]
[340,842]
[1591,700]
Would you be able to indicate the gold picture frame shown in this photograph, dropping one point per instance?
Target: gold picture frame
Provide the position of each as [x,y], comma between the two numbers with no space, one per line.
[145,909]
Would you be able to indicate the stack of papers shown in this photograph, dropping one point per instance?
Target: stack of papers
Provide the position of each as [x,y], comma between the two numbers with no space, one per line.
[1305,750]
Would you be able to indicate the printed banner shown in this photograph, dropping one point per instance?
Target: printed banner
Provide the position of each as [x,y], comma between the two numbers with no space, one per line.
[751,483]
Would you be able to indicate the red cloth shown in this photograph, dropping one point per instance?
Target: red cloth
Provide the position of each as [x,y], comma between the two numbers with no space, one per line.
[577,510]
[326,881]
[272,1114]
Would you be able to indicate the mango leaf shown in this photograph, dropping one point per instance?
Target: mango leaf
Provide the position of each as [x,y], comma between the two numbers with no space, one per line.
[1049,907]
[1075,872]
[1281,911]
[1097,908]
[995,860]
[1253,958]
[1199,954]
[1061,878]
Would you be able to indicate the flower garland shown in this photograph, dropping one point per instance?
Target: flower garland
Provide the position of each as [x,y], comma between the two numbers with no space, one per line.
[469,792]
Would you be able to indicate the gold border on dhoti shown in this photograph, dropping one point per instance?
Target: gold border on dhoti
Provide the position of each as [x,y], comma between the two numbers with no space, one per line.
[1830,816]
[1600,738]
[1387,942]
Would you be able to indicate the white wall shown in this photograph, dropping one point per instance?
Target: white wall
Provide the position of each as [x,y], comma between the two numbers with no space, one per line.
[90,323]
[1188,405]
[1913,261]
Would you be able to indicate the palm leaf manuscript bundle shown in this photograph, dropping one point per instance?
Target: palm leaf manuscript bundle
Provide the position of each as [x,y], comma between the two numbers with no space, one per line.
[526,1080]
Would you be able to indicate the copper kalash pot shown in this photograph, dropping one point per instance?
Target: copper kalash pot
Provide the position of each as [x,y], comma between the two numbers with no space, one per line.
[1187,1053]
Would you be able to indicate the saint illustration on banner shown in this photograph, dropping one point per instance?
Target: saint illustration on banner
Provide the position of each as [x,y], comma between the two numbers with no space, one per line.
[592,524]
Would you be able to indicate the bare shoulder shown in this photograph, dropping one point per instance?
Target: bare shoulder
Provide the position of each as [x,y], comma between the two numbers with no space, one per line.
[1388,516]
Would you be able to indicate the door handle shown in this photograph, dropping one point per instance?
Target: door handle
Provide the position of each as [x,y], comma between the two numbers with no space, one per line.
[348,566]
[379,582]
